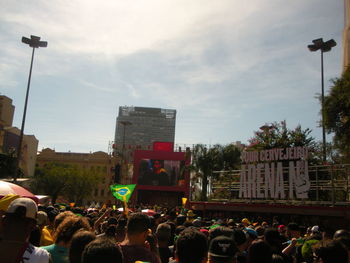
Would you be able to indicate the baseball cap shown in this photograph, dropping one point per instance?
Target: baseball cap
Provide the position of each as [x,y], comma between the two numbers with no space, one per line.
[246,221]
[251,232]
[23,207]
[222,247]
[315,229]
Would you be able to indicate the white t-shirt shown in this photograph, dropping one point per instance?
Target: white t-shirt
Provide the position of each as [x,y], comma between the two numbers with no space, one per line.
[35,255]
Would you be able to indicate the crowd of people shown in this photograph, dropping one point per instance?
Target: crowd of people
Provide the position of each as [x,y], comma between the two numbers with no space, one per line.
[31,233]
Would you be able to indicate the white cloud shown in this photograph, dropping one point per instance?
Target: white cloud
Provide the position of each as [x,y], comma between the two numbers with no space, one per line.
[218,60]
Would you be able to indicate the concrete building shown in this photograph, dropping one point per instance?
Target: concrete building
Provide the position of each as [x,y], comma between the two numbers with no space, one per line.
[28,152]
[7,111]
[140,127]
[346,35]
[100,162]
[9,139]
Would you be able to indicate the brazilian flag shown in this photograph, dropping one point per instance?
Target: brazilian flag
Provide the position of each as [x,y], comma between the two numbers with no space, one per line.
[122,192]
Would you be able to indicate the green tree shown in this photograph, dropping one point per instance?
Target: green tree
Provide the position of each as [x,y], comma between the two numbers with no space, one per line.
[7,163]
[277,135]
[231,157]
[59,179]
[336,112]
[51,179]
[81,184]
[205,161]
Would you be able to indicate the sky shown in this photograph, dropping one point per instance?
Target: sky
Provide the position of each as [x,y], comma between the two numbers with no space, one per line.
[227,66]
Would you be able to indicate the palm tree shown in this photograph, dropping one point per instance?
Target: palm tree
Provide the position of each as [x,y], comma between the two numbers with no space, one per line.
[216,158]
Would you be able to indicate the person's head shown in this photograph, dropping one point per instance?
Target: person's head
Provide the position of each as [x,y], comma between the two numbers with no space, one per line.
[315,230]
[138,223]
[220,231]
[251,233]
[245,222]
[111,231]
[222,249]
[274,239]
[79,240]
[68,227]
[191,246]
[157,164]
[258,252]
[341,233]
[20,218]
[163,233]
[180,220]
[60,217]
[281,229]
[42,218]
[51,214]
[102,250]
[138,227]
[327,251]
[240,238]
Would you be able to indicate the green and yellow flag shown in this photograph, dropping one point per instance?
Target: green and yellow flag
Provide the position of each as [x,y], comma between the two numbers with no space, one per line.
[122,192]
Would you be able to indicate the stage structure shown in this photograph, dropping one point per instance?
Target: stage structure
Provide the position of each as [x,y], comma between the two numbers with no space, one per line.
[161,175]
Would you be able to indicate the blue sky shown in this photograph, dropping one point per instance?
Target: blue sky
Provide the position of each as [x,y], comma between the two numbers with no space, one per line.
[227,67]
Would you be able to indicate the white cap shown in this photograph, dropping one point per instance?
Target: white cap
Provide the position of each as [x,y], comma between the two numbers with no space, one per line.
[315,229]
[24,207]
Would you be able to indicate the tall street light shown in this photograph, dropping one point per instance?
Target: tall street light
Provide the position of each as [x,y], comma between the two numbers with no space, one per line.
[33,42]
[318,44]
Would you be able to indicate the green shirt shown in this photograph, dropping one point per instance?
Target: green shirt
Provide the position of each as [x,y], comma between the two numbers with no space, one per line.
[58,254]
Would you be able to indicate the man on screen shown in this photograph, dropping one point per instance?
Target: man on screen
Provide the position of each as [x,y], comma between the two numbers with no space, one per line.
[159,175]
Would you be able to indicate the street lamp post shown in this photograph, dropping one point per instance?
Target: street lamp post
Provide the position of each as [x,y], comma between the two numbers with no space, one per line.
[33,42]
[318,44]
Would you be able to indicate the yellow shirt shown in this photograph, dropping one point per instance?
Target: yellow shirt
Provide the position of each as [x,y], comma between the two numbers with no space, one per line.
[46,238]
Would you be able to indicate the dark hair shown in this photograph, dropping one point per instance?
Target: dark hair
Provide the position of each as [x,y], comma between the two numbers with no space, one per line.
[79,240]
[331,251]
[35,235]
[102,250]
[69,226]
[163,232]
[180,220]
[341,233]
[258,252]
[274,239]
[112,221]
[277,258]
[111,231]
[220,231]
[138,223]
[191,246]
[179,229]
[239,237]
[60,217]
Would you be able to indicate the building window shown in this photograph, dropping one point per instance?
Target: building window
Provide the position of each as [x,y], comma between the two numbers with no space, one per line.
[102,192]
[96,192]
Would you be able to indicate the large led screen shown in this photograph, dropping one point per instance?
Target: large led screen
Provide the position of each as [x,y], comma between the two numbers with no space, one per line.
[161,172]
